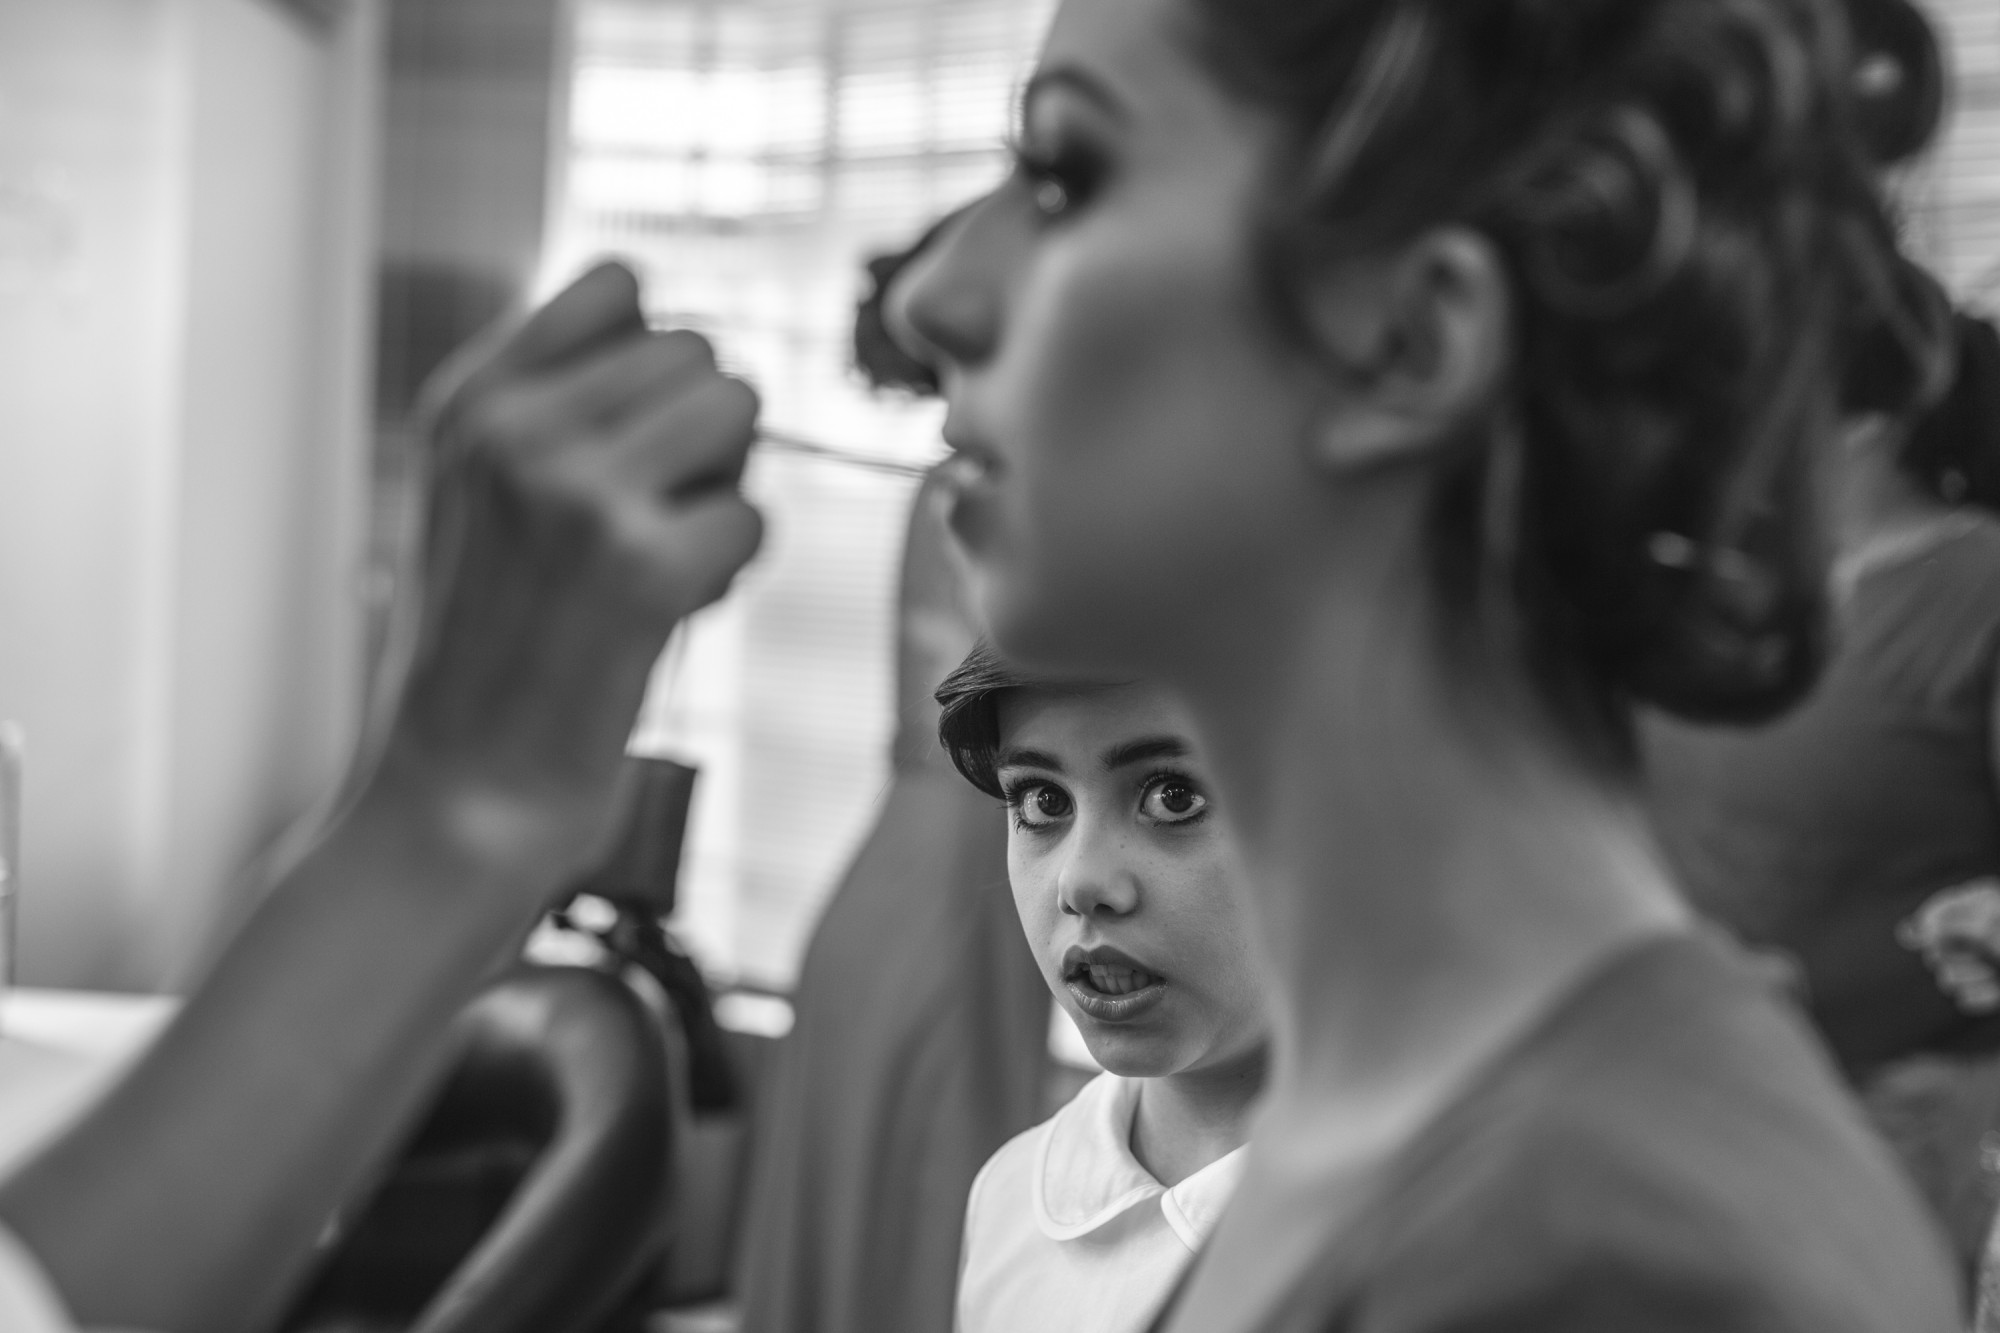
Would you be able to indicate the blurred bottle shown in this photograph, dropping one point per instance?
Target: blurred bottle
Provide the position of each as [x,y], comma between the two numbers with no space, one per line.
[643,868]
[639,879]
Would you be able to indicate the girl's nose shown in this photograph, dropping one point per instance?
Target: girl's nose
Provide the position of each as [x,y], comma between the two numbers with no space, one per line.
[1096,881]
[944,308]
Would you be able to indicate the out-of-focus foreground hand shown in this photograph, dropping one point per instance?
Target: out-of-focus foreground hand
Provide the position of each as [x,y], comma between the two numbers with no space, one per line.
[584,499]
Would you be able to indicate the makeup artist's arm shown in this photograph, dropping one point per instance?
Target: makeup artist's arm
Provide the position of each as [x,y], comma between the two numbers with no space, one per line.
[585,500]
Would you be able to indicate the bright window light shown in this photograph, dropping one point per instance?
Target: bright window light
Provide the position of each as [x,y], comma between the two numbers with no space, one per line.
[747,156]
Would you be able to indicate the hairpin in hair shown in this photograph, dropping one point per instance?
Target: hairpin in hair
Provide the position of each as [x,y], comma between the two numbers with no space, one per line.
[1394,52]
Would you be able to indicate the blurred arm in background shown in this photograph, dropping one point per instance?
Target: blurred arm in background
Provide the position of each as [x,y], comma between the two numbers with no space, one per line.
[584,500]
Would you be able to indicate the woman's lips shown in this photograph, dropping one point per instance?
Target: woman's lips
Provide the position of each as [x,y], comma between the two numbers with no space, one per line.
[963,471]
[972,459]
[1110,986]
[966,494]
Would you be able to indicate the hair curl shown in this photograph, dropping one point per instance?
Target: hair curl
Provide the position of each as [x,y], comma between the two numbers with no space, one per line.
[969,716]
[1694,239]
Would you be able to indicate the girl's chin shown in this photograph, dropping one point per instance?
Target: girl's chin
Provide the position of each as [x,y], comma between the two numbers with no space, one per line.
[1134,1054]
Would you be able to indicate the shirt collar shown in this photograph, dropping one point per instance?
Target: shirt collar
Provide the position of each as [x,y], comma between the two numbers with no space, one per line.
[1086,1175]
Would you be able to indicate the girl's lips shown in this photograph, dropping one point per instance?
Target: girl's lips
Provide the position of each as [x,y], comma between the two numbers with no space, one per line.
[1115,1008]
[1111,986]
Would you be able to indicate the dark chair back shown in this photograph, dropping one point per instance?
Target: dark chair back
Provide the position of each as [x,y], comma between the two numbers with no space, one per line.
[531,1200]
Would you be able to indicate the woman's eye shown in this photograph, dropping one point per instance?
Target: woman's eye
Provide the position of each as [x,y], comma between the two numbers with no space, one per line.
[1039,804]
[1172,800]
[1049,192]
[1057,182]
[1051,197]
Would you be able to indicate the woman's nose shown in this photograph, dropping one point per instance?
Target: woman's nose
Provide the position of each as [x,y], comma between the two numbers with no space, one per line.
[943,309]
[1096,881]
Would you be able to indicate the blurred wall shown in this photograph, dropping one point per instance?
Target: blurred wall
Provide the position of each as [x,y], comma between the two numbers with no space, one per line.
[472,98]
[186,243]
[471,91]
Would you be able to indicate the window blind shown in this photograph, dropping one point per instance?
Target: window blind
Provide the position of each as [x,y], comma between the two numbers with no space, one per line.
[1953,195]
[747,155]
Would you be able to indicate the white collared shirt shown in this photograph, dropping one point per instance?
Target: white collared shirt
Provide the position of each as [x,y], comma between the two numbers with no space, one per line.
[28,1303]
[1065,1230]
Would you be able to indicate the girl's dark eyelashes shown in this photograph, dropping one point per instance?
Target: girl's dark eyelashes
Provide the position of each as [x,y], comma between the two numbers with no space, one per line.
[1171,777]
[1018,792]
[1013,789]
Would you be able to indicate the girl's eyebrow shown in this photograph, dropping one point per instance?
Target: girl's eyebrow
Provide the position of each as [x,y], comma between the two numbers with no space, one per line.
[1027,759]
[1151,747]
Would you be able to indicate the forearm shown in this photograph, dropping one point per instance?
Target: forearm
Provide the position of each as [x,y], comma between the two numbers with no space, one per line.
[190,1198]
[583,500]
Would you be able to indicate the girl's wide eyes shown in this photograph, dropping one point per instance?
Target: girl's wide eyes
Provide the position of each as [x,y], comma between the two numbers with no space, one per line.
[1172,800]
[1039,804]
[1166,799]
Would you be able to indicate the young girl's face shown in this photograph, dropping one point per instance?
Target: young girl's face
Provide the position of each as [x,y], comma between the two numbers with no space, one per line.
[1127,417]
[1123,879]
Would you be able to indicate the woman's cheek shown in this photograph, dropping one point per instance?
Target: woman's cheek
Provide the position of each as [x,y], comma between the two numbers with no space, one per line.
[1087,405]
[1136,389]
[1086,345]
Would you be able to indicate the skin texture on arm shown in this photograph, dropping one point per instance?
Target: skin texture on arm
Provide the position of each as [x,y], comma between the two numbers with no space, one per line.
[584,499]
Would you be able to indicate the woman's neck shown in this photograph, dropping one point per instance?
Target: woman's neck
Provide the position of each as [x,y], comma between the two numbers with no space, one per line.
[1883,517]
[1189,1120]
[1430,873]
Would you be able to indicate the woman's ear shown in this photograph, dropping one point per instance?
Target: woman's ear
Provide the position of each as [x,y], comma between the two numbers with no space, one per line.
[1419,342]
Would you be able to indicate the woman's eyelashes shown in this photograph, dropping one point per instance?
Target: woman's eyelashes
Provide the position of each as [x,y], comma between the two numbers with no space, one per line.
[1060,174]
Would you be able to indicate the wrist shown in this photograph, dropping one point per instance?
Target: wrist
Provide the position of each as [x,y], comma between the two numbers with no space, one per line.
[513,843]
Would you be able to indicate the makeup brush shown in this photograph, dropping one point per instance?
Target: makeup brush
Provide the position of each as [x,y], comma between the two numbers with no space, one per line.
[787,442]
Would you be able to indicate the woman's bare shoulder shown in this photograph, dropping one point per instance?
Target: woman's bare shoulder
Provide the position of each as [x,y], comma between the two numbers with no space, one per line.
[1672,1152]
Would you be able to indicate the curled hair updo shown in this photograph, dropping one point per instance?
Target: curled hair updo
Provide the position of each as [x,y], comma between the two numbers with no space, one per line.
[1693,239]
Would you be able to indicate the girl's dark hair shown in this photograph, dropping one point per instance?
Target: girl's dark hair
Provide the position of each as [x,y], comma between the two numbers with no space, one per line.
[969,725]
[1694,239]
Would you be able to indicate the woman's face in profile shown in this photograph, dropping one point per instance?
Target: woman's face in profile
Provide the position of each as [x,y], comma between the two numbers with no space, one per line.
[1127,416]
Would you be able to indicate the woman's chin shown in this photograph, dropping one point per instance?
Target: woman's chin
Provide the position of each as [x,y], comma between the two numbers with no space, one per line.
[1052,632]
